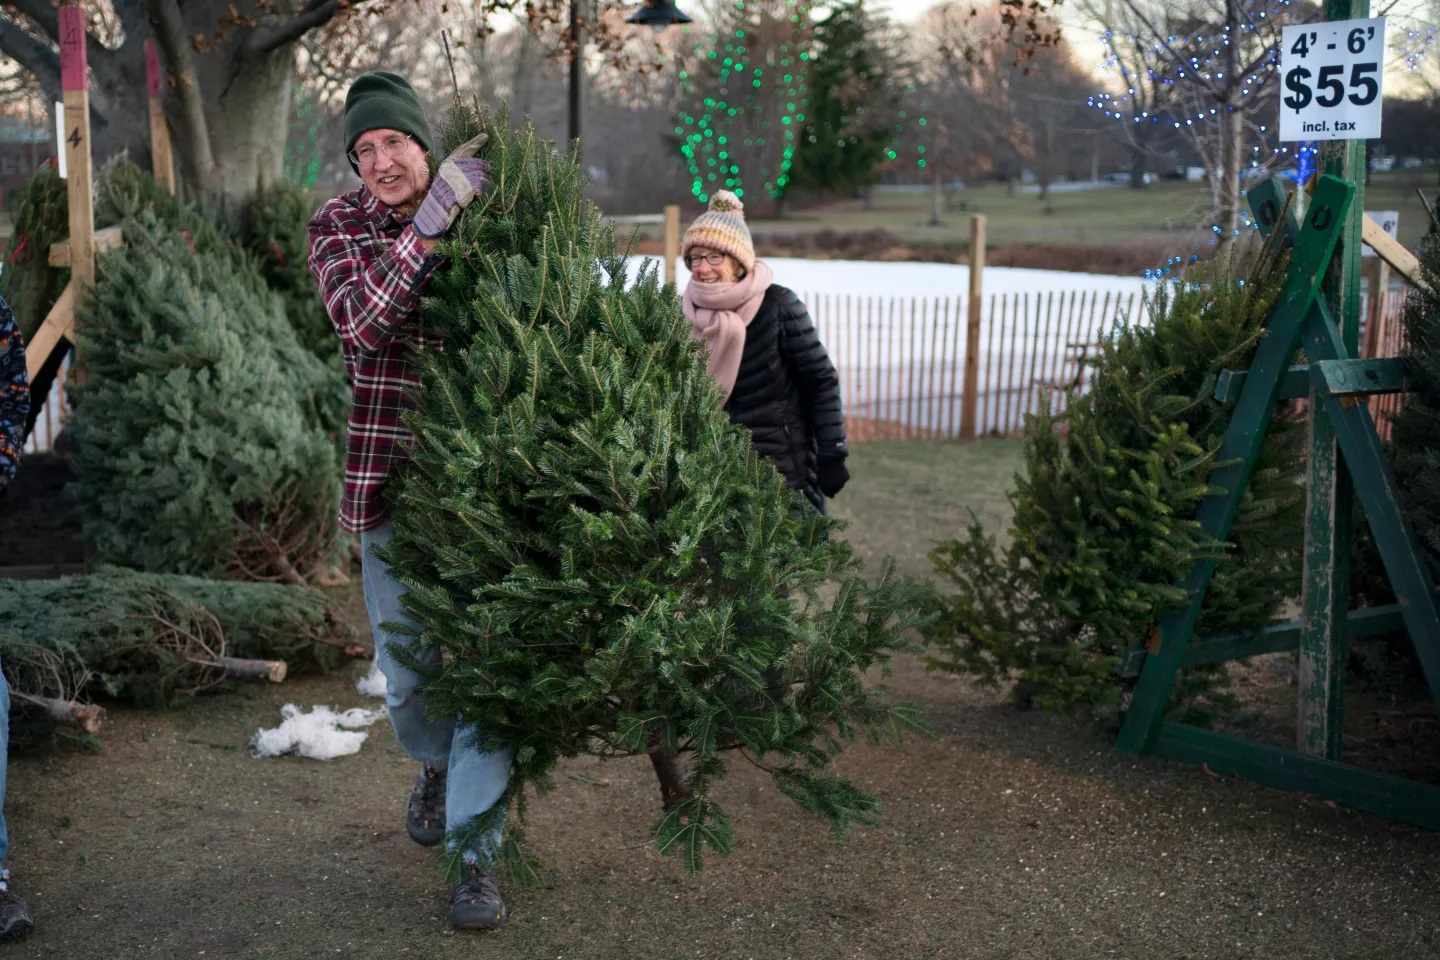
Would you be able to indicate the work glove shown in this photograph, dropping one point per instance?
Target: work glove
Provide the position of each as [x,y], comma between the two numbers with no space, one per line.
[460,179]
[832,475]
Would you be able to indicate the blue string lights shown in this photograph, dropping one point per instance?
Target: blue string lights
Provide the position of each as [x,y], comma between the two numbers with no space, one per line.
[1172,82]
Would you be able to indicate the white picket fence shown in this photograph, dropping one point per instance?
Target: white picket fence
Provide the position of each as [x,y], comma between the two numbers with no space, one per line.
[51,419]
[901,361]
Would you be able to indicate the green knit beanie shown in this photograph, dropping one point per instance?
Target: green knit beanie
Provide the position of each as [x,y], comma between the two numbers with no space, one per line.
[383,101]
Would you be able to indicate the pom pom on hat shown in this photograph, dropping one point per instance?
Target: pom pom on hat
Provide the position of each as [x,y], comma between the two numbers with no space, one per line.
[722,228]
[726,202]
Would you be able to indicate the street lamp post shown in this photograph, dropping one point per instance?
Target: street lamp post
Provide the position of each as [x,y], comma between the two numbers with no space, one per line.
[655,14]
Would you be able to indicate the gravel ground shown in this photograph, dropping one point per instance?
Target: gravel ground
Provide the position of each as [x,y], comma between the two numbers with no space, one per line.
[1011,835]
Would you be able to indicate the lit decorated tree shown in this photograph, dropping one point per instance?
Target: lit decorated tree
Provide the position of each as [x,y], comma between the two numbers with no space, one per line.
[745,99]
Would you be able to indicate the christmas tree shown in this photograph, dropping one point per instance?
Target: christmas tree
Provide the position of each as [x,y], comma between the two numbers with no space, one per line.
[202,445]
[848,130]
[272,247]
[1104,529]
[27,281]
[601,556]
[276,235]
[1412,453]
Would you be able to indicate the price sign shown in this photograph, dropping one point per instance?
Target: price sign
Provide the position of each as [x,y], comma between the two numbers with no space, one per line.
[1332,80]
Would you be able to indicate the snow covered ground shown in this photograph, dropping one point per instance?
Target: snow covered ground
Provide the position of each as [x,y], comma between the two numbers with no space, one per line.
[897,331]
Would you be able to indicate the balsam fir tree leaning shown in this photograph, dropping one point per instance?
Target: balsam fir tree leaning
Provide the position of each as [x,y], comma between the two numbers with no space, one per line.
[605,563]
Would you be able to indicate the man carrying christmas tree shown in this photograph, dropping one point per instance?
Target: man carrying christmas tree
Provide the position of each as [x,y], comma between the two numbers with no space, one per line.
[371,251]
[15,916]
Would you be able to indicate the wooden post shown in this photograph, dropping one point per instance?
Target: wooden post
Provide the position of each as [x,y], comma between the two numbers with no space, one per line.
[971,391]
[672,242]
[1325,587]
[74,84]
[161,161]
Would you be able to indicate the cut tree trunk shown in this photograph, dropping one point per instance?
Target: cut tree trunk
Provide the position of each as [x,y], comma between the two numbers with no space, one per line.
[671,774]
[240,669]
[86,717]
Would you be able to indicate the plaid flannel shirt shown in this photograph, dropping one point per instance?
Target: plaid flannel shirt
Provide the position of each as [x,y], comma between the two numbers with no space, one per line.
[14,394]
[370,269]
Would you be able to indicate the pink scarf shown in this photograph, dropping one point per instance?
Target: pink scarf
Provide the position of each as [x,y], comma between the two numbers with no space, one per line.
[719,313]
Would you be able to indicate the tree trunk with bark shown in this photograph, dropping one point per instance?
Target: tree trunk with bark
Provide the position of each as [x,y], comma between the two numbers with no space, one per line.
[1227,212]
[228,85]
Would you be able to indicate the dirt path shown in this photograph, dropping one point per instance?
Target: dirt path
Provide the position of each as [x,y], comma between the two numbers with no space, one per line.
[1012,835]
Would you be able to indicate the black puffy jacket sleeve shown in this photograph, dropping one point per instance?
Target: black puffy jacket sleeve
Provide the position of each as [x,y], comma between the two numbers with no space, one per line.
[813,373]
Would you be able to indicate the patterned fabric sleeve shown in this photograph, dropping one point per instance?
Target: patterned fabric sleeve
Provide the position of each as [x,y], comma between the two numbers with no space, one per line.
[367,297]
[14,394]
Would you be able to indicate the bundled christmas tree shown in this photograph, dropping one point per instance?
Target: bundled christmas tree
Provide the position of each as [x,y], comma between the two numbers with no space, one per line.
[201,446]
[129,197]
[1412,449]
[27,281]
[606,564]
[276,235]
[151,640]
[1104,529]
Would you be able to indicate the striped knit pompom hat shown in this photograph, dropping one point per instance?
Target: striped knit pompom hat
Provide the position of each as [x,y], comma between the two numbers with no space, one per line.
[722,228]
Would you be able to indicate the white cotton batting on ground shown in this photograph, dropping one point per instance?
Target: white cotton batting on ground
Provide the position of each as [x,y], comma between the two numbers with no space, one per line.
[321,734]
[373,683]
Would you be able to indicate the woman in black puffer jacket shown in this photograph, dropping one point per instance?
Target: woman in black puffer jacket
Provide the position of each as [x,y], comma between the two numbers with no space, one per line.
[777,379]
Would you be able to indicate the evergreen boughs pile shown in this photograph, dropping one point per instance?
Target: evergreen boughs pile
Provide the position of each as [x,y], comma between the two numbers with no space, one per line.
[605,563]
[201,446]
[152,639]
[1104,527]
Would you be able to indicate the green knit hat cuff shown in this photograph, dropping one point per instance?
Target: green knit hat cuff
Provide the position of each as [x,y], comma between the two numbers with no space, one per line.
[384,101]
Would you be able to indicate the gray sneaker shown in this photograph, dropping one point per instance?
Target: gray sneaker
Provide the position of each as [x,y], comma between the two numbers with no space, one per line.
[475,902]
[425,813]
[15,918]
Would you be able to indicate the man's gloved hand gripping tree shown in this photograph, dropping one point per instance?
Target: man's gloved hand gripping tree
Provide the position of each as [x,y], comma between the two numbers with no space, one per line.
[604,562]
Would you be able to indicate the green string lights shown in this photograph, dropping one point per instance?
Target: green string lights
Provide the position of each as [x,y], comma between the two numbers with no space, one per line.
[743,105]
[911,130]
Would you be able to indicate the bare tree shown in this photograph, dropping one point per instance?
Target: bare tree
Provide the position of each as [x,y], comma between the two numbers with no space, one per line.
[231,70]
[966,68]
[1197,63]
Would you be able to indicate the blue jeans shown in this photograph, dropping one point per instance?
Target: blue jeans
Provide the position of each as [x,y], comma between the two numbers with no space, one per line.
[4,766]
[476,779]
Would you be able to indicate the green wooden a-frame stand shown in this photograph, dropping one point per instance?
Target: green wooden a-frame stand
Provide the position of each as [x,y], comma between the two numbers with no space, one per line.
[1336,386]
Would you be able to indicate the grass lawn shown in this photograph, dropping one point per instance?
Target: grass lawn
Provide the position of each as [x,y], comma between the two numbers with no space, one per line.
[1168,214]
[1105,215]
[906,495]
